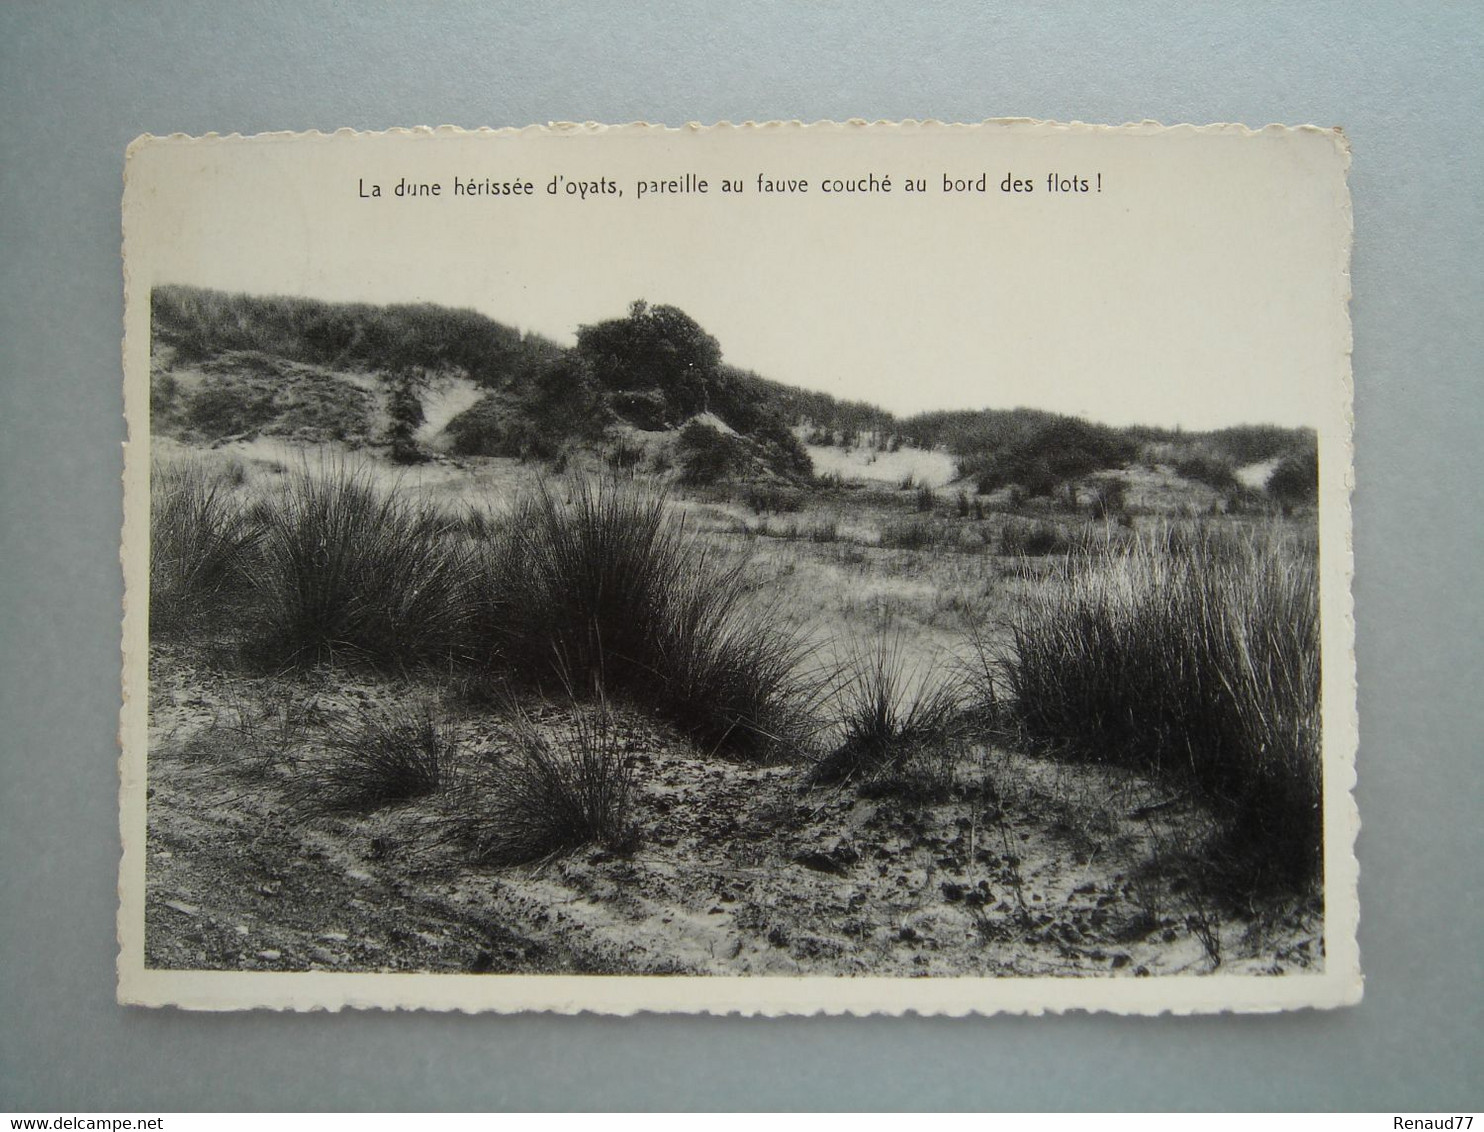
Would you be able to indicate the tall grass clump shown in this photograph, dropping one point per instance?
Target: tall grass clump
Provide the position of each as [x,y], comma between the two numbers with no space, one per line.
[383,756]
[597,584]
[549,790]
[889,712]
[200,547]
[725,674]
[1196,658]
[348,571]
[909,534]
[1036,539]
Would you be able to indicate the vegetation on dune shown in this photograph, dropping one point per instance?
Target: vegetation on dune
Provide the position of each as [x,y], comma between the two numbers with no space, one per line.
[244,394]
[382,756]
[1201,466]
[589,585]
[655,348]
[549,790]
[405,408]
[973,434]
[346,570]
[201,546]
[1033,539]
[1295,479]
[889,713]
[560,405]
[1195,658]
[660,369]
[1191,657]
[705,454]
[598,585]
[284,366]
[200,324]
[296,367]
[1052,454]
[1253,444]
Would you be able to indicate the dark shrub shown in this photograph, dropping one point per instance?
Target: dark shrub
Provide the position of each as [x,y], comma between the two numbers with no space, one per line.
[1211,470]
[1252,444]
[1052,453]
[779,449]
[705,454]
[165,401]
[405,408]
[1032,539]
[481,429]
[765,498]
[199,324]
[557,405]
[624,455]
[1296,477]
[1110,500]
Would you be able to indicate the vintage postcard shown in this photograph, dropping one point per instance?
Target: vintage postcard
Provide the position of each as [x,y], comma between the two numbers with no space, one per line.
[772,569]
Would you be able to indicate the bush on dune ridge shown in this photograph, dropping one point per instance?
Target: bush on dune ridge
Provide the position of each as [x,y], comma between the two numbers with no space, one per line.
[1196,658]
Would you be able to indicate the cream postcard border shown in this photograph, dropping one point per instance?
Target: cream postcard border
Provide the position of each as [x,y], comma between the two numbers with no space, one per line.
[1340,983]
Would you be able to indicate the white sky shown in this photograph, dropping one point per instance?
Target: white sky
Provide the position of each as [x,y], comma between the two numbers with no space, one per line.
[1202,287]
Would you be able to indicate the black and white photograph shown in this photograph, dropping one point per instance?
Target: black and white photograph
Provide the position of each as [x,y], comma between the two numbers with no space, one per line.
[779,569]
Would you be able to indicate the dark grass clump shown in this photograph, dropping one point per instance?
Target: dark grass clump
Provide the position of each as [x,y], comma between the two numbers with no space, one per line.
[383,756]
[777,499]
[1295,479]
[347,571]
[598,585]
[1195,658]
[1032,539]
[201,546]
[551,788]
[726,675]
[891,717]
[910,534]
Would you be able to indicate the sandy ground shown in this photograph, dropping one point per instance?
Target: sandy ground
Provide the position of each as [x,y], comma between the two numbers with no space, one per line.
[1028,868]
[1256,475]
[866,465]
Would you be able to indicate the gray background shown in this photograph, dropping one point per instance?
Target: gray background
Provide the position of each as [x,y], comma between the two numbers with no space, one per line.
[78,81]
